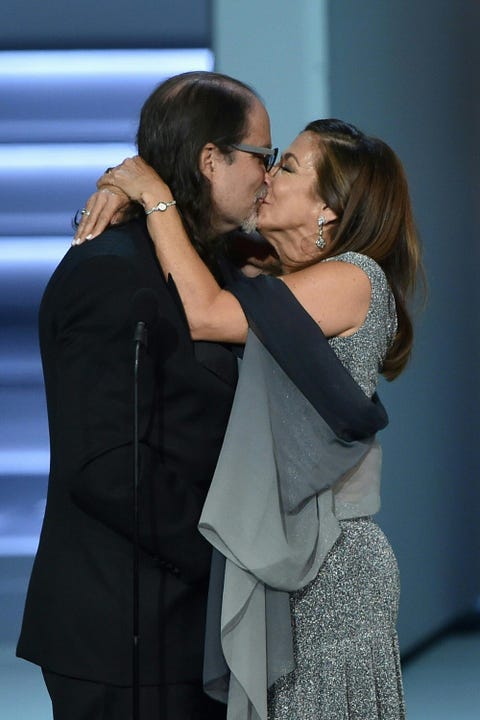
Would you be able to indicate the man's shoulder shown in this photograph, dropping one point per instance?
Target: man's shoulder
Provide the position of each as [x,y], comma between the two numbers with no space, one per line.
[119,249]
[127,240]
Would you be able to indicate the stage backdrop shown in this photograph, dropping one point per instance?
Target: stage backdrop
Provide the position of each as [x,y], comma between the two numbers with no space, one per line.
[408,72]
[404,70]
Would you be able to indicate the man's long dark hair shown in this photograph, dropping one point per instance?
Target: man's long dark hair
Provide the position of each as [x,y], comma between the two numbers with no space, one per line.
[178,119]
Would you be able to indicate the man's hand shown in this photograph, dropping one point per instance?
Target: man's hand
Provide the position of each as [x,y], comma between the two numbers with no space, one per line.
[252,254]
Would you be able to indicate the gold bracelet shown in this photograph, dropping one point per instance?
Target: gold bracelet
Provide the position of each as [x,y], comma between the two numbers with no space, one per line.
[161,207]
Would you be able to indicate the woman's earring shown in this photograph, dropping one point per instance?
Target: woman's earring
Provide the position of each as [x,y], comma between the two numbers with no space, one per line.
[320,241]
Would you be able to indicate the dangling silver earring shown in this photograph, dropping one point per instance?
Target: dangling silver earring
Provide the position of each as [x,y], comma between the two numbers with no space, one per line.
[320,241]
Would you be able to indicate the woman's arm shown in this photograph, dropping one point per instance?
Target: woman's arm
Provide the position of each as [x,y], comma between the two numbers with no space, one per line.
[335,294]
[212,313]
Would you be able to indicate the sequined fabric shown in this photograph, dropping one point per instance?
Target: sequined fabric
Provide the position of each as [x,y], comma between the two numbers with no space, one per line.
[345,643]
[363,352]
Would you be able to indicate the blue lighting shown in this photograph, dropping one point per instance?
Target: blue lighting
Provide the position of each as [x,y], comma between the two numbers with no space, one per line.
[154,63]
[22,461]
[65,116]
[18,545]
[66,155]
[28,251]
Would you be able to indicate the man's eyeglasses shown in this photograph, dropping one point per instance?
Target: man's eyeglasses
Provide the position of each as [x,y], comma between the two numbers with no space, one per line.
[268,155]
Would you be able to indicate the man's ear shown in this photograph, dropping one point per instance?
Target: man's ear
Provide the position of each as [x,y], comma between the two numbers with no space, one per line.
[208,159]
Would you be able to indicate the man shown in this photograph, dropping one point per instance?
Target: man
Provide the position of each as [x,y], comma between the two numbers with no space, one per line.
[78,617]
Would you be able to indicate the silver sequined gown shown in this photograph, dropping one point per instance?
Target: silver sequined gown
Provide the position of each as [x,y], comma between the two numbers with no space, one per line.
[345,641]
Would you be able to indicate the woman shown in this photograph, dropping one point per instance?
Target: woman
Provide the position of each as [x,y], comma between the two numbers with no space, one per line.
[298,477]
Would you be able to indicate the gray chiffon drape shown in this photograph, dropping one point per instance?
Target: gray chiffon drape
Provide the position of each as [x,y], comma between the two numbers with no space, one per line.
[282,483]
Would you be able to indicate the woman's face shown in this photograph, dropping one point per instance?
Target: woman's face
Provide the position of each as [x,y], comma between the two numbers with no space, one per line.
[288,216]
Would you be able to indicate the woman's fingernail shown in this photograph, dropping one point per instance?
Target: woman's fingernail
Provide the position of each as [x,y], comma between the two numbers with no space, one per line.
[89,237]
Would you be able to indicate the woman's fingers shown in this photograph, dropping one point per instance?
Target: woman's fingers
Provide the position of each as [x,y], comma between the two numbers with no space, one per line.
[134,180]
[103,208]
[137,180]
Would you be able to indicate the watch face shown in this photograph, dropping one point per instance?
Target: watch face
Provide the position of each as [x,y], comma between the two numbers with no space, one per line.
[162,206]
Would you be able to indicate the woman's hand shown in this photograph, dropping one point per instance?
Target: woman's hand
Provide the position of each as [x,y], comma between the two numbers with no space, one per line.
[137,180]
[133,180]
[105,207]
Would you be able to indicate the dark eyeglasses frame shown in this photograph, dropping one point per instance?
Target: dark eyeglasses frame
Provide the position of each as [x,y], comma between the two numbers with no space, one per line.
[268,155]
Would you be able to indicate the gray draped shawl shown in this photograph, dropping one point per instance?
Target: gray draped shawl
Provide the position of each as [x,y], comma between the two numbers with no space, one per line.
[284,479]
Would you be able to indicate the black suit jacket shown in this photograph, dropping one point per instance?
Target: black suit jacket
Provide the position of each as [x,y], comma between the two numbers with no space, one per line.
[78,614]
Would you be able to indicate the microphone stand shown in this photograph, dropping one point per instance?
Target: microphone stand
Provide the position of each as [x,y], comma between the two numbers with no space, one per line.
[140,338]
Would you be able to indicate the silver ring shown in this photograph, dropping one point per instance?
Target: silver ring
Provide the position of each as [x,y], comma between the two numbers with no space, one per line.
[86,212]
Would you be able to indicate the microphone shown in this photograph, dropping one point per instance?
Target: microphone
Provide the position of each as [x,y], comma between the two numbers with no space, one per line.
[145,316]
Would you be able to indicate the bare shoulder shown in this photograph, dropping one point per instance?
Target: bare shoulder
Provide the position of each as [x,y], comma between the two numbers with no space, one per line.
[335,293]
[336,275]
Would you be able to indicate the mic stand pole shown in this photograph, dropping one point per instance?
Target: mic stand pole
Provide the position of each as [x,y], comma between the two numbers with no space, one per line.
[140,338]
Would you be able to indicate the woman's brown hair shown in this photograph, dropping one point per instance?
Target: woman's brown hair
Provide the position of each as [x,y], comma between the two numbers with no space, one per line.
[362,180]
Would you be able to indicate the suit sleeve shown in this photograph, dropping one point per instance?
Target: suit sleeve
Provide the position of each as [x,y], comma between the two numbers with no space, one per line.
[93,357]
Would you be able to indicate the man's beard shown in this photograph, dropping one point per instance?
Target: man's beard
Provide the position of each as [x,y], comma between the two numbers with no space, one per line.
[249,225]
